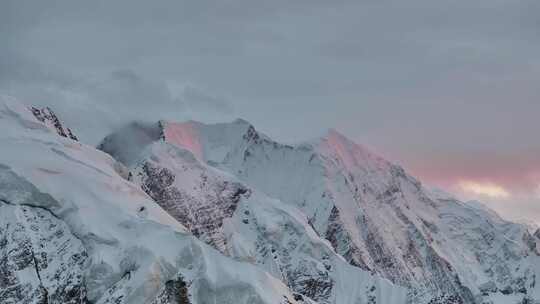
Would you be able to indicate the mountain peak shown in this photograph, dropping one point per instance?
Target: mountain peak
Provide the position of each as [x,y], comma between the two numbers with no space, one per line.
[49,118]
[28,115]
[208,142]
[349,152]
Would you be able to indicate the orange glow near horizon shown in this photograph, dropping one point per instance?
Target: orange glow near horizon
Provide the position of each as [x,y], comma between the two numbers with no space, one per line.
[483,189]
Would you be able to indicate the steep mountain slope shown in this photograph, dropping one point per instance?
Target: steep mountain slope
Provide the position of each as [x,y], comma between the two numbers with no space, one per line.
[372,212]
[243,223]
[73,230]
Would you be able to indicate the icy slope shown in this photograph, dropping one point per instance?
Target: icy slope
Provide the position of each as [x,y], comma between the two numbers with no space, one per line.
[375,215]
[73,230]
[247,225]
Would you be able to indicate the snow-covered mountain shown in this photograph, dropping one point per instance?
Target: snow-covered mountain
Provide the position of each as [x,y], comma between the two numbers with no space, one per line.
[195,213]
[350,202]
[74,230]
[244,223]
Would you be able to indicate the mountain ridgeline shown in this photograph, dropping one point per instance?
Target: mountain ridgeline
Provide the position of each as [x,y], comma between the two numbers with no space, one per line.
[186,212]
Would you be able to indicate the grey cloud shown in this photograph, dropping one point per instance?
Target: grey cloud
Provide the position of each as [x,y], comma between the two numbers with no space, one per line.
[354,59]
[135,135]
[198,100]
[127,89]
[93,107]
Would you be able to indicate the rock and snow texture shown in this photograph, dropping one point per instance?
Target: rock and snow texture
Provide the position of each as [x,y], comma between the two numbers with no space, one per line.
[248,226]
[195,213]
[369,211]
[40,259]
[74,230]
[47,116]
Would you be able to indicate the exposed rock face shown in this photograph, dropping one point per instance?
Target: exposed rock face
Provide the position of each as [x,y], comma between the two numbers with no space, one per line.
[202,214]
[175,292]
[40,260]
[341,241]
[47,116]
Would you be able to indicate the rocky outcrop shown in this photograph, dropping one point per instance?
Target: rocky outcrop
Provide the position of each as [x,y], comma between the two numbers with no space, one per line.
[41,261]
[48,117]
[202,215]
[341,241]
[175,292]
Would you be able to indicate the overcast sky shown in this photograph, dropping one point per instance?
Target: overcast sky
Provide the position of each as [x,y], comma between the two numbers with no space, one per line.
[449,89]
